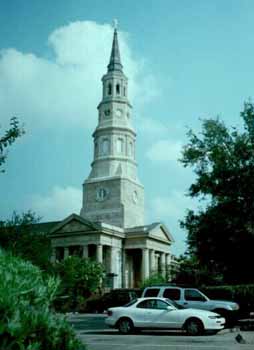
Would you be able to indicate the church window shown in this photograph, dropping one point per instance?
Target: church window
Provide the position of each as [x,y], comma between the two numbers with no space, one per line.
[105,146]
[119,146]
[109,89]
[96,148]
[130,149]
[107,112]
[118,89]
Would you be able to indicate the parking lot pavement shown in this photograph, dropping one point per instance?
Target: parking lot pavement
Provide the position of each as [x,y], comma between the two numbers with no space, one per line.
[93,332]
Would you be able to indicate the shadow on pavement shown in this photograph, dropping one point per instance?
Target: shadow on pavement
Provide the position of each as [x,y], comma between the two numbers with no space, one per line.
[140,333]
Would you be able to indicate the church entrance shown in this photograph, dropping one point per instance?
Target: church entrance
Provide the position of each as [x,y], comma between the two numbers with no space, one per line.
[133,264]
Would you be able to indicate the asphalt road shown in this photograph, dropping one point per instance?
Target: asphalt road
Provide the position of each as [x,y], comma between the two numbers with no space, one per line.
[93,332]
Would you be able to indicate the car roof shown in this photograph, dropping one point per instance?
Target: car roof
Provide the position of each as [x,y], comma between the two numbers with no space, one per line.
[158,298]
[171,286]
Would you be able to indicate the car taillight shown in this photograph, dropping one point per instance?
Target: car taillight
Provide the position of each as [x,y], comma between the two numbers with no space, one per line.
[110,313]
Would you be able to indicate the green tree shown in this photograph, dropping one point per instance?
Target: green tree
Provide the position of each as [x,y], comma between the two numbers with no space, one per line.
[221,234]
[8,138]
[19,236]
[80,277]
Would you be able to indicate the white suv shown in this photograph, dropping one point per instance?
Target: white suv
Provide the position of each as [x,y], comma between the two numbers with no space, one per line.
[192,298]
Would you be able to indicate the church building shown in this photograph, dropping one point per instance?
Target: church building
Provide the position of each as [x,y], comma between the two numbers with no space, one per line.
[110,227]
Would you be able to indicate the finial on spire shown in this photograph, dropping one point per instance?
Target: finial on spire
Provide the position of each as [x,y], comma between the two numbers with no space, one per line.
[115,23]
[115,61]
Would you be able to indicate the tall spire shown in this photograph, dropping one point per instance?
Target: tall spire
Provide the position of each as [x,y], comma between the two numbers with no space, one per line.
[115,60]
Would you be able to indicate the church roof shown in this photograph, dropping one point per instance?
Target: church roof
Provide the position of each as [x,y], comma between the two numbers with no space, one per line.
[115,60]
[151,231]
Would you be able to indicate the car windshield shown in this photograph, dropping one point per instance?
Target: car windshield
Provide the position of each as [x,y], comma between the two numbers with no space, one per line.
[133,301]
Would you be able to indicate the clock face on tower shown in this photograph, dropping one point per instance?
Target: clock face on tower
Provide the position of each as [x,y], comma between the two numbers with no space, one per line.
[119,113]
[101,194]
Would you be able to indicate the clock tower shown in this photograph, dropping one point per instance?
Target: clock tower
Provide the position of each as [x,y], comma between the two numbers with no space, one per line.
[112,193]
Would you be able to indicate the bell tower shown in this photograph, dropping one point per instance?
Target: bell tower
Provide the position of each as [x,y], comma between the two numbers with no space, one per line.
[112,193]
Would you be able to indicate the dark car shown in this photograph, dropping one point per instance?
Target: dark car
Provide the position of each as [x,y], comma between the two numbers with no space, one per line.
[116,297]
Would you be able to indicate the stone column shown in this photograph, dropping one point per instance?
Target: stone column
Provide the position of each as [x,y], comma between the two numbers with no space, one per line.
[99,253]
[168,260]
[152,261]
[163,264]
[124,282]
[85,251]
[145,263]
[66,252]
[53,255]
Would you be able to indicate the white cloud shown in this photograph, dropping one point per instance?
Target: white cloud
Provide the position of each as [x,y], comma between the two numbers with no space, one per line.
[66,89]
[173,206]
[164,151]
[56,205]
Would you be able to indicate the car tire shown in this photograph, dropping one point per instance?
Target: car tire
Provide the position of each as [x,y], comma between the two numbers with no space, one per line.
[194,326]
[125,326]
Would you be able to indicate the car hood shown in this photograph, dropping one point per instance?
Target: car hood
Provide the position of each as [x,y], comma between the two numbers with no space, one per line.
[197,312]
[224,303]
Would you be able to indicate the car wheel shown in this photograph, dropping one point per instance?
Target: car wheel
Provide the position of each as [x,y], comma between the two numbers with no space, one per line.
[194,326]
[125,326]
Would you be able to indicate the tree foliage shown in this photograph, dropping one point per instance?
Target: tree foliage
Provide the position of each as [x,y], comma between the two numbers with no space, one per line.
[221,235]
[26,319]
[8,138]
[80,277]
[155,278]
[18,236]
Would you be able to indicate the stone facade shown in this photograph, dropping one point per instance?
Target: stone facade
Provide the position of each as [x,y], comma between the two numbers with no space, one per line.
[111,227]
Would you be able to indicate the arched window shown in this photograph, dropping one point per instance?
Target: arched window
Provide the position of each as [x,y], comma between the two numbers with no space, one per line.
[96,149]
[109,89]
[105,146]
[119,146]
[118,89]
[130,149]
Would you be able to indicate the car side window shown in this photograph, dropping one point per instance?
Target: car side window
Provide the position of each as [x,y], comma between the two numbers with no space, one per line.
[152,292]
[146,304]
[161,305]
[172,293]
[193,295]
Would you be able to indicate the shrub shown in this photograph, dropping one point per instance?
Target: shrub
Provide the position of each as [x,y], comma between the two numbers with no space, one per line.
[80,278]
[155,278]
[26,320]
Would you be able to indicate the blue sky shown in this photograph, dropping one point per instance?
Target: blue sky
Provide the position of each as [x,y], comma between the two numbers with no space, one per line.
[185,60]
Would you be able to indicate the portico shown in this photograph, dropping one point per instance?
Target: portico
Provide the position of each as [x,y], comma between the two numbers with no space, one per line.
[129,256]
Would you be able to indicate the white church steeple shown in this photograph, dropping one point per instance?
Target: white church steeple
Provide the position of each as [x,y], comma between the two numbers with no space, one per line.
[112,192]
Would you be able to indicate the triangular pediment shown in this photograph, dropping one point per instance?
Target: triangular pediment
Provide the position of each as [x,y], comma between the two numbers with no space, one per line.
[74,224]
[159,231]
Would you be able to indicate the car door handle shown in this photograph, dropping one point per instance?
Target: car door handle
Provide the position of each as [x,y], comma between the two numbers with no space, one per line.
[185,303]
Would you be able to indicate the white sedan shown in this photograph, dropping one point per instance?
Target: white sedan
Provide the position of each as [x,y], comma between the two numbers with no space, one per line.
[162,313]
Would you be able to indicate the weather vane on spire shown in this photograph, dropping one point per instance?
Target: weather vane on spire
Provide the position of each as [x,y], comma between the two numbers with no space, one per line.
[115,23]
